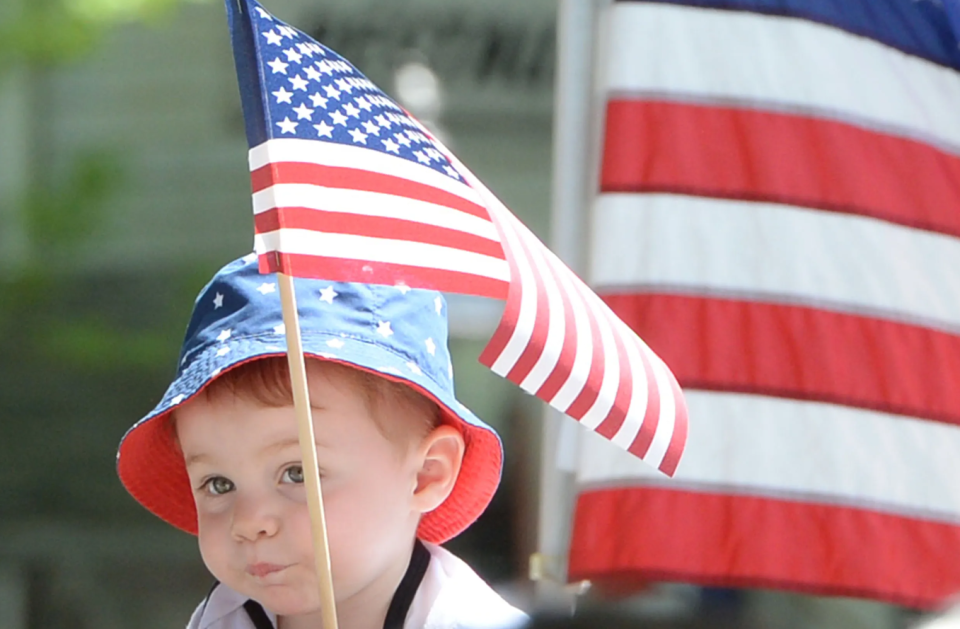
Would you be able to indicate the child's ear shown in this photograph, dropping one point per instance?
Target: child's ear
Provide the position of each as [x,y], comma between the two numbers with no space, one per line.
[441,453]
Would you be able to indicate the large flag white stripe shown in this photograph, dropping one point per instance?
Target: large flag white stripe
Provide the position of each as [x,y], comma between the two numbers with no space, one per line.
[804,451]
[804,67]
[351,247]
[826,259]
[343,156]
[362,202]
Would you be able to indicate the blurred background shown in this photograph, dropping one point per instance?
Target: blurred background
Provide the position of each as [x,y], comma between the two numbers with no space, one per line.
[124,186]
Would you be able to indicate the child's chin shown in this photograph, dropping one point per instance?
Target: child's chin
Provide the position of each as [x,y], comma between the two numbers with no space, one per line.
[288,603]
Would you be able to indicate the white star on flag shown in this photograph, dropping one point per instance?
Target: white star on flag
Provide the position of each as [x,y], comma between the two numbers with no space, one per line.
[391,146]
[268,287]
[287,126]
[278,66]
[383,329]
[351,110]
[273,37]
[331,91]
[328,294]
[218,301]
[283,96]
[317,100]
[303,112]
[370,127]
[293,55]
[323,130]
[312,73]
[338,118]
[358,136]
[224,335]
[299,83]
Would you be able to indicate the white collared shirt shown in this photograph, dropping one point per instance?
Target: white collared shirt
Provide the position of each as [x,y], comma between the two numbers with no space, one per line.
[451,596]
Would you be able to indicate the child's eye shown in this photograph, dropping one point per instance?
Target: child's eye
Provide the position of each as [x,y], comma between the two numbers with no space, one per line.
[293,474]
[218,485]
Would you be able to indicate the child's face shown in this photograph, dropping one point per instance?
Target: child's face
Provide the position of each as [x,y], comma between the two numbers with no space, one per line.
[244,464]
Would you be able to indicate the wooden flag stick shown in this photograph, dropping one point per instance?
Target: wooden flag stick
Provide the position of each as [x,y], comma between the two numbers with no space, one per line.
[311,471]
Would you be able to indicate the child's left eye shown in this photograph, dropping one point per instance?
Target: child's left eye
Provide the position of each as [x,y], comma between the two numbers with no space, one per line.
[293,474]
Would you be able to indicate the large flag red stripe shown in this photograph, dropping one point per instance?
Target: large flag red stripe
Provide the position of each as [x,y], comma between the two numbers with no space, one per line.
[831,360]
[358,179]
[534,349]
[736,345]
[762,155]
[374,227]
[738,540]
[350,270]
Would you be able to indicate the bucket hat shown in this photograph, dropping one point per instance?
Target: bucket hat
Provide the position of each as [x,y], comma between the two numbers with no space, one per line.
[392,331]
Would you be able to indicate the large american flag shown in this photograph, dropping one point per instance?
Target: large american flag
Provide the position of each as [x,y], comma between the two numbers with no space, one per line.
[347,186]
[780,219]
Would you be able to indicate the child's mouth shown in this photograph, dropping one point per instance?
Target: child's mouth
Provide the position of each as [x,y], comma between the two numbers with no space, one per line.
[263,569]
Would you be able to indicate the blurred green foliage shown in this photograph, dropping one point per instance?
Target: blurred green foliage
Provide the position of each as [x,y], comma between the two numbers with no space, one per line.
[82,354]
[56,31]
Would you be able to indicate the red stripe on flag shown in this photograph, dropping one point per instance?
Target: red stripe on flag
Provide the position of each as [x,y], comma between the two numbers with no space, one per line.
[799,352]
[731,541]
[374,227]
[534,347]
[614,419]
[358,179]
[568,353]
[347,270]
[756,155]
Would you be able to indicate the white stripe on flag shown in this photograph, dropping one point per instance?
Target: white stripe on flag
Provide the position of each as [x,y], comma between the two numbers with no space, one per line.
[780,63]
[293,150]
[807,451]
[351,247]
[796,255]
[362,202]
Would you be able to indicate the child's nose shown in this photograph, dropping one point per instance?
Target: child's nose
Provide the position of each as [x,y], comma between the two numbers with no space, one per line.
[253,519]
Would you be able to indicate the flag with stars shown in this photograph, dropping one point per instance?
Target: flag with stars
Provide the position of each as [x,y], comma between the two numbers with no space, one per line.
[348,187]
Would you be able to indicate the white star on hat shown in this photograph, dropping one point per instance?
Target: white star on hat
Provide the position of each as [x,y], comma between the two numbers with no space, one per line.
[431,346]
[438,304]
[383,329]
[415,368]
[224,335]
[280,329]
[218,301]
[267,287]
[223,351]
[335,343]
[328,294]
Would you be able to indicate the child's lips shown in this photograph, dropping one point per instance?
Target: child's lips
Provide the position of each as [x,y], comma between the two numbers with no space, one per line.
[263,569]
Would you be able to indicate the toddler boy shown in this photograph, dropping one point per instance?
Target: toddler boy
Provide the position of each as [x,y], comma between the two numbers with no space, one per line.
[404,466]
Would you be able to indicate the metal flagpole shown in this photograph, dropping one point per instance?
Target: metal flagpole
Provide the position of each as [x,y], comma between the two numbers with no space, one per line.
[571,192]
[311,470]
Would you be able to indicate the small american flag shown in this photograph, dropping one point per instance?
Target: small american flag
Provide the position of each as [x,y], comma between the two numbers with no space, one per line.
[348,187]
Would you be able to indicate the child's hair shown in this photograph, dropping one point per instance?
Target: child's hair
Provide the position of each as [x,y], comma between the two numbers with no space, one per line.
[266,381]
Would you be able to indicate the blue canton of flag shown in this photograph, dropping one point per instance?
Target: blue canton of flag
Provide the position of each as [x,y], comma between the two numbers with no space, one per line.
[316,94]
